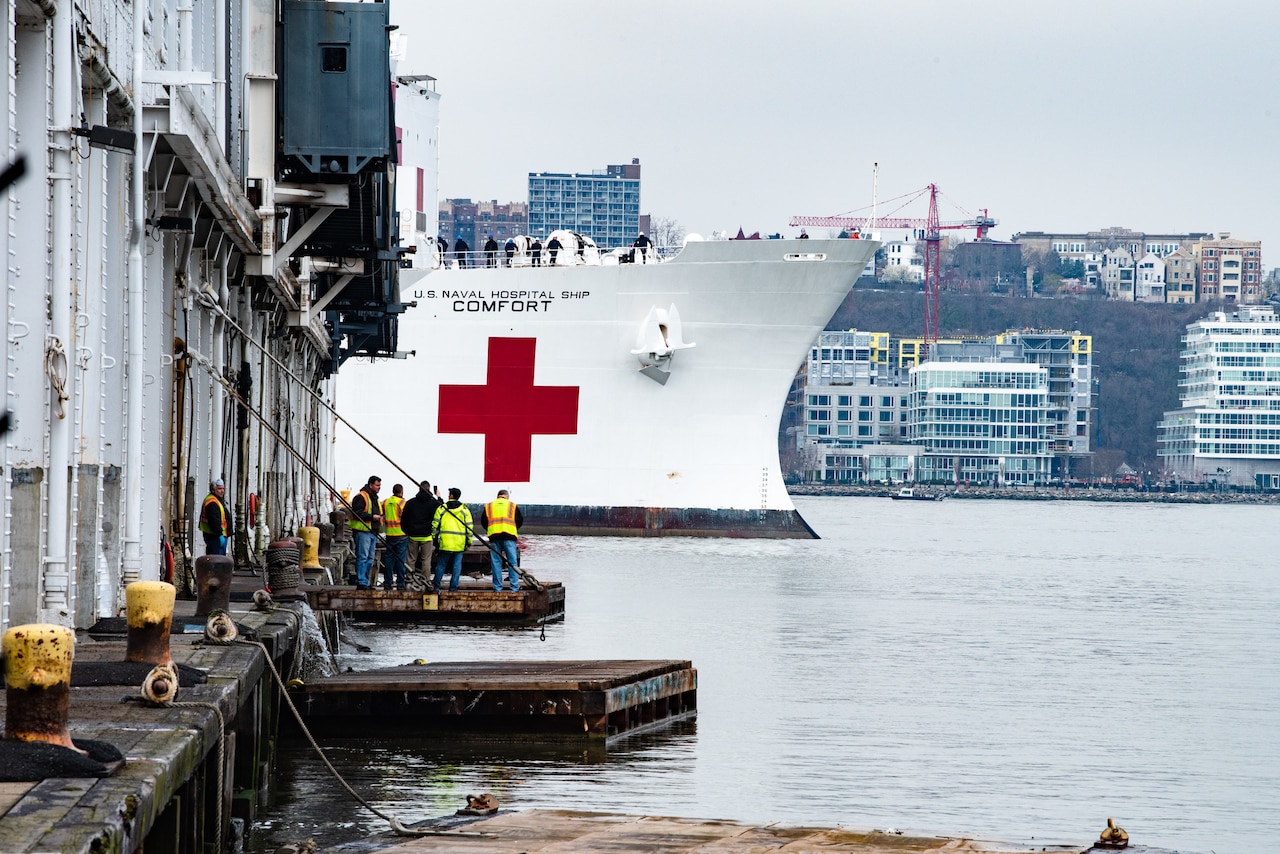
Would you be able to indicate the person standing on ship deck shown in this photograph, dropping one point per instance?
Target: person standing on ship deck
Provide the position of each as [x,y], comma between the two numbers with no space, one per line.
[393,565]
[553,247]
[502,519]
[490,252]
[535,252]
[460,250]
[366,519]
[510,249]
[443,246]
[451,534]
[643,243]
[419,512]
[215,519]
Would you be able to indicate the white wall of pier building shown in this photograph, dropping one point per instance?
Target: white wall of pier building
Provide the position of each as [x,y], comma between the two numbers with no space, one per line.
[118,326]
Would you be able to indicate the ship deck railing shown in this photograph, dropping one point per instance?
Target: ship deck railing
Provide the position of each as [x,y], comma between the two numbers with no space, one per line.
[588,257]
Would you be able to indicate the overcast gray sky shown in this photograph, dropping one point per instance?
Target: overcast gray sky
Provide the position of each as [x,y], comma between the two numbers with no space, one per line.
[1057,116]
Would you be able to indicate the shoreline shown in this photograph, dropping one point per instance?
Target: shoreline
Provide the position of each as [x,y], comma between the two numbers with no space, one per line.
[1042,493]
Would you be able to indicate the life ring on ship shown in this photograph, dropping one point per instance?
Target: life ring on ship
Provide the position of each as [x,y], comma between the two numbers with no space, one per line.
[253,510]
[166,549]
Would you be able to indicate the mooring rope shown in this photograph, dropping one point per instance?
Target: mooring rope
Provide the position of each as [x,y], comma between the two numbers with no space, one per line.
[397,826]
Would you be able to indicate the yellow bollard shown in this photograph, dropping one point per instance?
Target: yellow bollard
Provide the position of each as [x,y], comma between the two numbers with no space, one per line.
[37,669]
[150,614]
[310,547]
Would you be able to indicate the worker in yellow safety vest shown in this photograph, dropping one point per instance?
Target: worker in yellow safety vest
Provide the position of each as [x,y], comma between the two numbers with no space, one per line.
[365,522]
[451,534]
[503,519]
[393,566]
[215,519]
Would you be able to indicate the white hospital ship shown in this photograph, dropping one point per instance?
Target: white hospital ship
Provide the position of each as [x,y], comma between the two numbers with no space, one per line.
[610,398]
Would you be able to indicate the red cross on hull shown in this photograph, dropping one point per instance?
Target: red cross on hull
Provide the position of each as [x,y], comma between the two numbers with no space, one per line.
[509,410]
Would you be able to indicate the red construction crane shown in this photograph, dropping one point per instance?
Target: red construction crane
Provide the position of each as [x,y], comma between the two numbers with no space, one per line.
[933,229]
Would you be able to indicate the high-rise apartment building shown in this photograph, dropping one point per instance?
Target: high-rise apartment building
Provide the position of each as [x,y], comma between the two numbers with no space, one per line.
[603,205]
[1228,428]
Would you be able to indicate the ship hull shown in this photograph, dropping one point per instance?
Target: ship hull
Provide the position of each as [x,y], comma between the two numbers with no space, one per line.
[525,379]
[578,520]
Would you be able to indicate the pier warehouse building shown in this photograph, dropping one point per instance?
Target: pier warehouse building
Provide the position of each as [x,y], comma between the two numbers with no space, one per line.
[1228,429]
[195,248]
[874,412]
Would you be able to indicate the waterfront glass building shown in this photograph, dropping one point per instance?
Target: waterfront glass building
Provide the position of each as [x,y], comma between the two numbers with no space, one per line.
[857,394]
[1228,429]
[602,205]
[981,423]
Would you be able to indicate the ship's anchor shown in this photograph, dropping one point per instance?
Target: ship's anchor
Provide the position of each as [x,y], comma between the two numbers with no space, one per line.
[660,335]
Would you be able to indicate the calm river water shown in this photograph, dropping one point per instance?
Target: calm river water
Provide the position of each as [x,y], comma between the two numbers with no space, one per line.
[1002,669]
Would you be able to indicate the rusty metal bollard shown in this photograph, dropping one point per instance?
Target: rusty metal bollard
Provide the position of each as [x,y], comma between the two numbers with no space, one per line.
[310,548]
[37,670]
[213,584]
[338,518]
[326,539]
[150,614]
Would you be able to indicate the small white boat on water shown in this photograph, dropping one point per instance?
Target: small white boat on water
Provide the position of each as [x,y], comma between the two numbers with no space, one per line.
[914,493]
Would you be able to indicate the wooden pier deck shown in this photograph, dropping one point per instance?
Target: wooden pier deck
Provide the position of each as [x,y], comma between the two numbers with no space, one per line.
[164,798]
[546,699]
[571,832]
[471,603]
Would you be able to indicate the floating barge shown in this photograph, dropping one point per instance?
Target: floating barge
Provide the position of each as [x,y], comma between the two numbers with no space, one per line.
[477,604]
[553,699]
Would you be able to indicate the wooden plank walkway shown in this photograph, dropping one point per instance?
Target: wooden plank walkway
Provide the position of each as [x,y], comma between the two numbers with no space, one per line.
[569,832]
[471,603]
[553,699]
[167,780]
